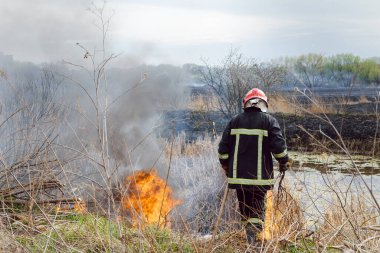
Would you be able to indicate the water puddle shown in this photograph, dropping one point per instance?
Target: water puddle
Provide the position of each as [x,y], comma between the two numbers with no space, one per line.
[328,163]
[318,180]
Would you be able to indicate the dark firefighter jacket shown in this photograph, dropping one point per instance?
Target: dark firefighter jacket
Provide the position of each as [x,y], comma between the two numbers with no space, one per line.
[247,145]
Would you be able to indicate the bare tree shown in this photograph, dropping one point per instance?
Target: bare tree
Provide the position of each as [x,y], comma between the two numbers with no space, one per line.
[269,74]
[229,81]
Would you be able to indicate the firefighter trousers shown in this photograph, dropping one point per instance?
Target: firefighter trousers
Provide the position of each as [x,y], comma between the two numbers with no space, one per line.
[252,208]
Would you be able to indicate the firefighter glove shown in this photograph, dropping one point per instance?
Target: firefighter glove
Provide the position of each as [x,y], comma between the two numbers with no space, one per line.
[282,167]
[285,166]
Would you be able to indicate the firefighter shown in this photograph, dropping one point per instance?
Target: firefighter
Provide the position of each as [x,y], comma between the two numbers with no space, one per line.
[245,153]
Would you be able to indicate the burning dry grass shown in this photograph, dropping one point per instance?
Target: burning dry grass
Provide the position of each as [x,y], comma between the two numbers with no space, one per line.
[148,199]
[283,217]
[199,184]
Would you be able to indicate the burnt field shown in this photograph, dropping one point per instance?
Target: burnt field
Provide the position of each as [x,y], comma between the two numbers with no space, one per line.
[301,131]
[355,118]
[311,133]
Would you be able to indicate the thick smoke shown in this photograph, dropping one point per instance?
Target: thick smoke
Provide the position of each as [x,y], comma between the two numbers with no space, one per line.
[137,98]
[136,118]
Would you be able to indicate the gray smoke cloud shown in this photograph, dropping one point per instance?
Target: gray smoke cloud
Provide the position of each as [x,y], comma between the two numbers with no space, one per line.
[137,96]
[136,119]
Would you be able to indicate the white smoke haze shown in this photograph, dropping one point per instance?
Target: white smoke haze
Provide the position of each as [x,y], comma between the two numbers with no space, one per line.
[137,97]
[136,118]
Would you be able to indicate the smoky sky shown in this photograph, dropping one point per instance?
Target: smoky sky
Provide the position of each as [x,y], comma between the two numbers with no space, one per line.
[177,32]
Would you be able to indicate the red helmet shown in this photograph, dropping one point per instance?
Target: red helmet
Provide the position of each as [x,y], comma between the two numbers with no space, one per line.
[255,93]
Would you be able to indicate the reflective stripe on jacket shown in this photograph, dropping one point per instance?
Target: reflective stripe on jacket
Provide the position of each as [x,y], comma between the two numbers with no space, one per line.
[247,145]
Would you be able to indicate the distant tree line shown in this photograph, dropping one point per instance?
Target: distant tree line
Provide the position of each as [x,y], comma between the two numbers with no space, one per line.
[310,70]
[235,75]
[341,70]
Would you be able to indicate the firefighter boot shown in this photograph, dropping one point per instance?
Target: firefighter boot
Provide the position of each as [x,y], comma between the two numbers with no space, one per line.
[251,236]
[252,232]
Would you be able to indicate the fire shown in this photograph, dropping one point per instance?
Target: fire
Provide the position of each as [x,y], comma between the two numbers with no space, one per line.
[272,217]
[78,206]
[282,216]
[148,198]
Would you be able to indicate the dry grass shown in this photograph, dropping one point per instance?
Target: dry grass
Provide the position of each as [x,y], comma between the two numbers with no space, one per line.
[283,218]
[287,104]
[184,148]
[203,103]
[282,104]
[7,242]
[322,107]
[198,181]
[353,225]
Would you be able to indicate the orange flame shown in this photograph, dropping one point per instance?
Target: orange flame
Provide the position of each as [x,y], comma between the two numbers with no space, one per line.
[80,207]
[148,199]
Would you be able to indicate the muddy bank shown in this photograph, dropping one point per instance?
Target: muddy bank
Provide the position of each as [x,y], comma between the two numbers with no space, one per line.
[303,132]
